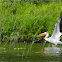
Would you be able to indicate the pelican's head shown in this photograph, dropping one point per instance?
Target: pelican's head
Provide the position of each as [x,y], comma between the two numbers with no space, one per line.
[43,34]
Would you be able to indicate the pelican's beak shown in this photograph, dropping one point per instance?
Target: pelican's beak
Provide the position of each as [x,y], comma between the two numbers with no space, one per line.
[43,34]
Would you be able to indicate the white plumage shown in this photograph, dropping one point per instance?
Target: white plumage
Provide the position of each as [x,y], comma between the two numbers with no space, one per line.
[55,36]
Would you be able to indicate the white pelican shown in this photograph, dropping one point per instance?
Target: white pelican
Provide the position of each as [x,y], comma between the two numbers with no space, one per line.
[55,38]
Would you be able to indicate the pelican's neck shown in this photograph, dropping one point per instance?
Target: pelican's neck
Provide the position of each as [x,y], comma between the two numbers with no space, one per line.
[46,36]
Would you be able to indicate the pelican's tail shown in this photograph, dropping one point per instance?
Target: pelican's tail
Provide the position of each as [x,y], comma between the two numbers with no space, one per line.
[59,42]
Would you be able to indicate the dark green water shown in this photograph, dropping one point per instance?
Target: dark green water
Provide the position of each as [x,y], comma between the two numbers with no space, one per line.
[28,52]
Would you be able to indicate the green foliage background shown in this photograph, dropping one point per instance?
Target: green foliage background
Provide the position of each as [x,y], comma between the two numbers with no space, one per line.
[22,21]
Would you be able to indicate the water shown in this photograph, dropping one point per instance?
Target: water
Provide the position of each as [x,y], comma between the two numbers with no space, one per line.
[37,53]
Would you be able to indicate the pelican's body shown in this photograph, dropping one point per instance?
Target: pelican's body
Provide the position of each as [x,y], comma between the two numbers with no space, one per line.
[55,36]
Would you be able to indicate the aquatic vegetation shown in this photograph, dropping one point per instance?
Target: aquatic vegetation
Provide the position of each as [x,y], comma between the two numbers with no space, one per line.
[22,21]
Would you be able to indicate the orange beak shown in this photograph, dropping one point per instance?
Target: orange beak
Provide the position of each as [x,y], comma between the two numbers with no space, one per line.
[43,34]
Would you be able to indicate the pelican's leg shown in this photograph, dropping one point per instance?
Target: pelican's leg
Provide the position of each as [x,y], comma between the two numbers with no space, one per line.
[55,45]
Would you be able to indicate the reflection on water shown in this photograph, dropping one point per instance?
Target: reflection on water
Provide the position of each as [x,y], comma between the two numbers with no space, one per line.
[52,51]
[36,54]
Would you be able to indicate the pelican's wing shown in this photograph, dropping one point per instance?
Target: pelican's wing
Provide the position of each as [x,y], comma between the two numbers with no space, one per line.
[56,34]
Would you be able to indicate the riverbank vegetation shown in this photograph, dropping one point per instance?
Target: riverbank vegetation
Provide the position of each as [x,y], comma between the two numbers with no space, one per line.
[23,20]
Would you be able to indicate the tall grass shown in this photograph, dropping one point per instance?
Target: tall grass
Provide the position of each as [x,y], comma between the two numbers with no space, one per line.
[24,20]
